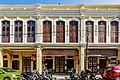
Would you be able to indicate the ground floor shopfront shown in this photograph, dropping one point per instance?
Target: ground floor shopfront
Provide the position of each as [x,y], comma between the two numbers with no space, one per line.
[60,60]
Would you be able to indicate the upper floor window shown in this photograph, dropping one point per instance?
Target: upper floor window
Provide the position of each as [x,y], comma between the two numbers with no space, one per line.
[18,31]
[114,32]
[73,32]
[30,31]
[102,31]
[90,31]
[60,31]
[47,31]
[5,31]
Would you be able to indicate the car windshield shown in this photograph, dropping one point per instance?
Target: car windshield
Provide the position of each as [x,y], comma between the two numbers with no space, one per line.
[8,70]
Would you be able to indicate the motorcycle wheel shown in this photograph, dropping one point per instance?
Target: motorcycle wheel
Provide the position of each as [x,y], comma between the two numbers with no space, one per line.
[85,78]
[117,78]
[93,78]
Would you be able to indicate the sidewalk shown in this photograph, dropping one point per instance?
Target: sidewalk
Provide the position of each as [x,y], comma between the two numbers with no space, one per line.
[60,76]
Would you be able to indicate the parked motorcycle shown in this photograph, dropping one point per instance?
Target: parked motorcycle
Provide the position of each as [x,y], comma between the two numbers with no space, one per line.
[29,75]
[72,75]
[46,75]
[87,75]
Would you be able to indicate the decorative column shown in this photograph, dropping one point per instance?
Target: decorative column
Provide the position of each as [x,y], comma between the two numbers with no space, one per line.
[39,59]
[9,60]
[53,62]
[81,59]
[25,32]
[82,37]
[96,31]
[107,32]
[20,55]
[1,58]
[12,32]
[38,29]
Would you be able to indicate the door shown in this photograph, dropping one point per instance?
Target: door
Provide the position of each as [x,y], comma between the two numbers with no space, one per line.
[92,63]
[60,64]
[102,63]
[26,64]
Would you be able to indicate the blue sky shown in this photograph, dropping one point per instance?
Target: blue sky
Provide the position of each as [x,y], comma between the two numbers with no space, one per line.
[60,1]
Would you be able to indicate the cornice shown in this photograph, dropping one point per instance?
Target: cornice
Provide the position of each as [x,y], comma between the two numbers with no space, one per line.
[97,13]
[60,12]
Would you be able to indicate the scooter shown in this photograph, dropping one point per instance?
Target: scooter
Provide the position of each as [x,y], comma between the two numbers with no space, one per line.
[87,75]
[72,75]
[29,75]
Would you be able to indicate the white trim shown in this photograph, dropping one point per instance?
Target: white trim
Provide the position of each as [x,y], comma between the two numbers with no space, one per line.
[115,19]
[25,28]
[16,19]
[103,19]
[5,18]
[60,19]
[94,36]
[74,19]
[47,19]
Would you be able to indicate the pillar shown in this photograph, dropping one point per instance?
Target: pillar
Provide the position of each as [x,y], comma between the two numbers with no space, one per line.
[82,37]
[76,61]
[38,29]
[1,58]
[53,62]
[81,59]
[39,59]
[20,59]
[9,60]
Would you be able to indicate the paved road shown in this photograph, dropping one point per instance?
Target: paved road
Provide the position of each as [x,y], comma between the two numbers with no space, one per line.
[59,77]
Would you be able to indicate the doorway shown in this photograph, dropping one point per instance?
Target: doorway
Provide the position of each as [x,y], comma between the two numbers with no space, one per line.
[60,64]
[26,64]
[92,63]
[102,63]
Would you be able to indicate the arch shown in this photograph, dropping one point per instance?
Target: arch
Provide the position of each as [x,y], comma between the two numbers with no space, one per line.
[78,29]
[15,64]
[47,29]
[73,31]
[102,27]
[114,31]
[90,30]
[60,27]
[5,29]
[18,28]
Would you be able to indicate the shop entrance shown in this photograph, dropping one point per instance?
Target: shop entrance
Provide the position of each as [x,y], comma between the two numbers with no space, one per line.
[92,63]
[59,64]
[102,63]
[26,63]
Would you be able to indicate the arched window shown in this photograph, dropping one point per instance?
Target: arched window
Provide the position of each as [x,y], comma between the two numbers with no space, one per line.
[114,32]
[90,31]
[15,64]
[47,31]
[5,31]
[102,31]
[60,31]
[73,32]
[30,31]
[18,31]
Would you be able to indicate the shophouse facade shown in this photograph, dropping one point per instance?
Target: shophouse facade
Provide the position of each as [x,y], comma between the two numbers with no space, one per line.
[31,35]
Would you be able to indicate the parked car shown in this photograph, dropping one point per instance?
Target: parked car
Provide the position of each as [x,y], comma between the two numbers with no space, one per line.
[9,74]
[111,73]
